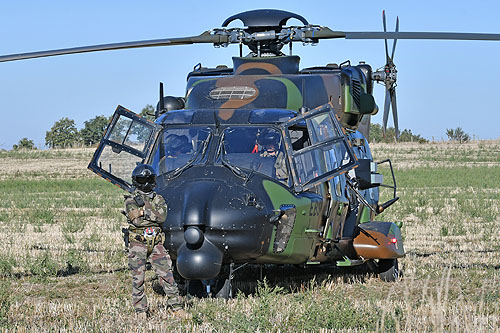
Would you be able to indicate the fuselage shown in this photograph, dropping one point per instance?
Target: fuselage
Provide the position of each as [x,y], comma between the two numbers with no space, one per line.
[228,204]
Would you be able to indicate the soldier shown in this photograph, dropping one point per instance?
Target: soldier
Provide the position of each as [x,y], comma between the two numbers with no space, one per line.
[146,211]
[269,141]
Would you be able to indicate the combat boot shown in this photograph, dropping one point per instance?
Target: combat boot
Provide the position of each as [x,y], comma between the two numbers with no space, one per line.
[141,315]
[180,313]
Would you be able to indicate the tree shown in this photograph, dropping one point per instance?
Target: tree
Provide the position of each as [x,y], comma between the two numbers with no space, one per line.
[457,134]
[63,134]
[143,133]
[94,130]
[148,112]
[24,143]
[376,135]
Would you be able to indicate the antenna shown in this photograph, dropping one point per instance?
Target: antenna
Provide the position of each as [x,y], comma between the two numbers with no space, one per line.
[162,105]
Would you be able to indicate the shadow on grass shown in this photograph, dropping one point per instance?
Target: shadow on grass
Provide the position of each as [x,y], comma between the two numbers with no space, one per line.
[289,278]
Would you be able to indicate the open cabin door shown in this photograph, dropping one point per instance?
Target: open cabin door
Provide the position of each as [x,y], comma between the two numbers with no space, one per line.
[323,154]
[128,141]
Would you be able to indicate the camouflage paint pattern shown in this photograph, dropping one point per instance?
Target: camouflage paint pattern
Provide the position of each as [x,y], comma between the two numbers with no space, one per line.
[274,83]
[300,244]
[279,84]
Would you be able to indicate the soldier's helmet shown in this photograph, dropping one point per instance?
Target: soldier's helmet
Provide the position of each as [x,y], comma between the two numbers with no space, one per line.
[269,137]
[175,144]
[144,177]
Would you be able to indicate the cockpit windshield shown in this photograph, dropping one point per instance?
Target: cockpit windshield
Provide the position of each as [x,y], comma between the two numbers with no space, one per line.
[255,148]
[180,146]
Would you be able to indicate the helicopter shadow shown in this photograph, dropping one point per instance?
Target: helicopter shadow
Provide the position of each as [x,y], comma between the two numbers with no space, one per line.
[287,278]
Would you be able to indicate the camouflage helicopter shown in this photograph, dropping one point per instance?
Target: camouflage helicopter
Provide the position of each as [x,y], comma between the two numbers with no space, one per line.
[264,162]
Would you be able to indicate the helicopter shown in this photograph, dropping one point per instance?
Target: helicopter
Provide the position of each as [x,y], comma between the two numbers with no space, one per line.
[264,163]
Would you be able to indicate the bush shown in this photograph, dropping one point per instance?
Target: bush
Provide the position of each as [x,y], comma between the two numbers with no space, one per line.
[5,301]
[377,135]
[24,143]
[42,266]
[457,134]
[7,264]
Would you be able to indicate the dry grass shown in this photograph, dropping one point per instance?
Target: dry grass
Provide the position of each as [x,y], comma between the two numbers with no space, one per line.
[62,265]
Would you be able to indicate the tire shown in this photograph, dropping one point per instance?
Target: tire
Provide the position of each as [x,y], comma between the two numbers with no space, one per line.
[388,270]
[195,288]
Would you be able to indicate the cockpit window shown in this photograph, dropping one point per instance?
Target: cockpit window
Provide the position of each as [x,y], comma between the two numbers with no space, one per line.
[319,151]
[182,145]
[255,148]
[322,128]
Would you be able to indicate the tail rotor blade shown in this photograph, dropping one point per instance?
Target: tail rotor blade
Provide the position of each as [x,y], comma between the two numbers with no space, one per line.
[395,39]
[395,111]
[385,40]
[387,105]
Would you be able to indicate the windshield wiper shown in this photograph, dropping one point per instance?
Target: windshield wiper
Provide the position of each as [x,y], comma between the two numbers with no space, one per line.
[237,171]
[201,149]
[234,169]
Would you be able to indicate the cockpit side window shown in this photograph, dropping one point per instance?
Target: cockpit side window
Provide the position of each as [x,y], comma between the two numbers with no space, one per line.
[299,137]
[319,150]
[256,148]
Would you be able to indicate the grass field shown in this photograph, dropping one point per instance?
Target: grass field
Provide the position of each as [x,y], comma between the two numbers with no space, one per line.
[63,267]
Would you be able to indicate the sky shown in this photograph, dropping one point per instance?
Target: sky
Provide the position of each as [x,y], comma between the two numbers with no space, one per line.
[441,84]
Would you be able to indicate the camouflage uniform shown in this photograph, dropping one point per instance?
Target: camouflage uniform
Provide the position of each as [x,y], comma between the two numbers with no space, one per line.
[279,165]
[151,215]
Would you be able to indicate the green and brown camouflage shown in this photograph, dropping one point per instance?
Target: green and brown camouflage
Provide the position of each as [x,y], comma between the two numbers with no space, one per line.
[162,265]
[277,83]
[148,211]
[230,201]
[152,214]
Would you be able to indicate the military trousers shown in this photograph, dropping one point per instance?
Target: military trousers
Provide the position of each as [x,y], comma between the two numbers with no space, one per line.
[162,265]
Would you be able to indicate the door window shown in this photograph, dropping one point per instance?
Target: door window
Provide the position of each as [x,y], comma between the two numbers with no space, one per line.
[317,148]
[127,142]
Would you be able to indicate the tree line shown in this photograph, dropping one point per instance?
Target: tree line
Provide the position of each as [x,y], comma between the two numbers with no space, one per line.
[64,133]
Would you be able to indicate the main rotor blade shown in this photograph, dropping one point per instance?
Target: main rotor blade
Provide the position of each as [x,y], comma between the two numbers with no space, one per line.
[385,39]
[205,37]
[387,105]
[395,40]
[416,35]
[327,33]
[395,111]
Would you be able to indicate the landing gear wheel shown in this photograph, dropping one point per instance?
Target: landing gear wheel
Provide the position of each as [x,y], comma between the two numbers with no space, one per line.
[195,288]
[388,270]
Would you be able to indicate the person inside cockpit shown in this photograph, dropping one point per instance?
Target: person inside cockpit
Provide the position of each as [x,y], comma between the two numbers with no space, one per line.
[269,142]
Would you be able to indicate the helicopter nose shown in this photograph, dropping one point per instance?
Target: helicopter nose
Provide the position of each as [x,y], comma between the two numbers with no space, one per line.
[203,263]
[193,236]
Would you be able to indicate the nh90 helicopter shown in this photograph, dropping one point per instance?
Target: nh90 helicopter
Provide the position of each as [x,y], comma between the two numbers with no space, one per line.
[264,162]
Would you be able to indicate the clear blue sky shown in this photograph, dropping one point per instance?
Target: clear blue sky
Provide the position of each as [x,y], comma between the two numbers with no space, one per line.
[441,84]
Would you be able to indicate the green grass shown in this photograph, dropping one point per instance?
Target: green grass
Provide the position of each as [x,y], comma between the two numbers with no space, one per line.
[62,264]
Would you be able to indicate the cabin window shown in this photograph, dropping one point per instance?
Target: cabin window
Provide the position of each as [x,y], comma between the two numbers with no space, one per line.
[255,148]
